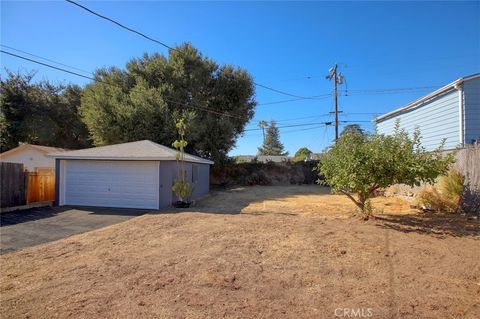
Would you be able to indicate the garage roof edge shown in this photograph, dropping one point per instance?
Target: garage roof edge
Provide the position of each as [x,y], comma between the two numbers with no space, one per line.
[133,151]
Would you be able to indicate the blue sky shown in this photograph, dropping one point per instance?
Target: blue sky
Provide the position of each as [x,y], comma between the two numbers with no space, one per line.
[285,45]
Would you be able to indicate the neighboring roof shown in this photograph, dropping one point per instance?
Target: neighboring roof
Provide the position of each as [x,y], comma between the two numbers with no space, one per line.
[427,97]
[316,156]
[135,151]
[273,158]
[40,148]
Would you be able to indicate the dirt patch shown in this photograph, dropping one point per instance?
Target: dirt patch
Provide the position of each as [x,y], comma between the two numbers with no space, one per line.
[259,252]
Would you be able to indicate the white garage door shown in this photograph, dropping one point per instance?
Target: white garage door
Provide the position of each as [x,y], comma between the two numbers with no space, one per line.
[130,184]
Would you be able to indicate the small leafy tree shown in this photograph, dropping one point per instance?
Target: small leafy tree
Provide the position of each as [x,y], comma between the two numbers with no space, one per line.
[271,144]
[362,163]
[302,154]
[181,187]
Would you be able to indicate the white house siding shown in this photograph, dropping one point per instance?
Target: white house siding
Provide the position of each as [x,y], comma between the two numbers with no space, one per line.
[31,159]
[436,119]
[471,92]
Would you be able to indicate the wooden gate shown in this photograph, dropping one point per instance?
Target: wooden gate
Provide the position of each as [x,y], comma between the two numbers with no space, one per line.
[41,186]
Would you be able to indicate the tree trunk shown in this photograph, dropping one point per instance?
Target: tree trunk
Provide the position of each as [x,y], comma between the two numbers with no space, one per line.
[358,203]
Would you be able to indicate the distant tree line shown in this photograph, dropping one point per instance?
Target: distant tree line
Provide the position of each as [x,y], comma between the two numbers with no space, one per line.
[40,113]
[141,101]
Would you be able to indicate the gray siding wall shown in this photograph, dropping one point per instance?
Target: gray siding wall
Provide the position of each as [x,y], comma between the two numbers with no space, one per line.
[436,119]
[471,93]
[168,173]
[202,186]
[167,169]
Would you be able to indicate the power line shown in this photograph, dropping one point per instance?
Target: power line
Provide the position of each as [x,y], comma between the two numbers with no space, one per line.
[383,93]
[167,46]
[305,129]
[98,80]
[120,25]
[394,89]
[309,124]
[172,48]
[357,92]
[39,57]
[282,92]
[306,77]
[167,99]
[320,125]
[315,97]
[254,125]
[301,118]
[361,113]
[282,101]
[93,78]
[47,65]
[292,131]
[344,93]
[285,126]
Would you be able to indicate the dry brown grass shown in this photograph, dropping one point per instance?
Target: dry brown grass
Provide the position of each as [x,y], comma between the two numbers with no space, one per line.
[259,252]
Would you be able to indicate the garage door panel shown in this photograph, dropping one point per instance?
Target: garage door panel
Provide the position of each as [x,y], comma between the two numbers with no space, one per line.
[112,184]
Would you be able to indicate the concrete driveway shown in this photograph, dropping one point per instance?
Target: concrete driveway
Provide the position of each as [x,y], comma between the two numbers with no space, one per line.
[36,226]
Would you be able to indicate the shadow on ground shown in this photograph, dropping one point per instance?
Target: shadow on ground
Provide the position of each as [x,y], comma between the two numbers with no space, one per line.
[37,226]
[34,214]
[18,217]
[437,224]
[234,200]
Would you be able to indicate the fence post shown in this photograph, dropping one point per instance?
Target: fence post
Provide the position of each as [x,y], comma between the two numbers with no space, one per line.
[27,186]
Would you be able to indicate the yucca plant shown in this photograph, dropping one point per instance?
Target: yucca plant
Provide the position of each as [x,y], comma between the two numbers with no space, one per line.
[181,187]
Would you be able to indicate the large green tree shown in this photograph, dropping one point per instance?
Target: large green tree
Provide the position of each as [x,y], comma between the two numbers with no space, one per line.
[271,144]
[359,164]
[144,100]
[40,113]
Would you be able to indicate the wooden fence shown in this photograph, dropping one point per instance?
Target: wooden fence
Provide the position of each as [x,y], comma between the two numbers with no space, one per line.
[468,163]
[13,183]
[20,187]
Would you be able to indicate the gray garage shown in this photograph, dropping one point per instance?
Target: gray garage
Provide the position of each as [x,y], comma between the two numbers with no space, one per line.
[128,175]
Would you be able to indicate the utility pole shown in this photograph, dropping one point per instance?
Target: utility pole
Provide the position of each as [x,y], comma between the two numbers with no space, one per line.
[263,124]
[337,79]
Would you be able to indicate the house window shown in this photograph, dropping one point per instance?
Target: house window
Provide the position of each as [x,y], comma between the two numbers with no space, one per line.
[194,173]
